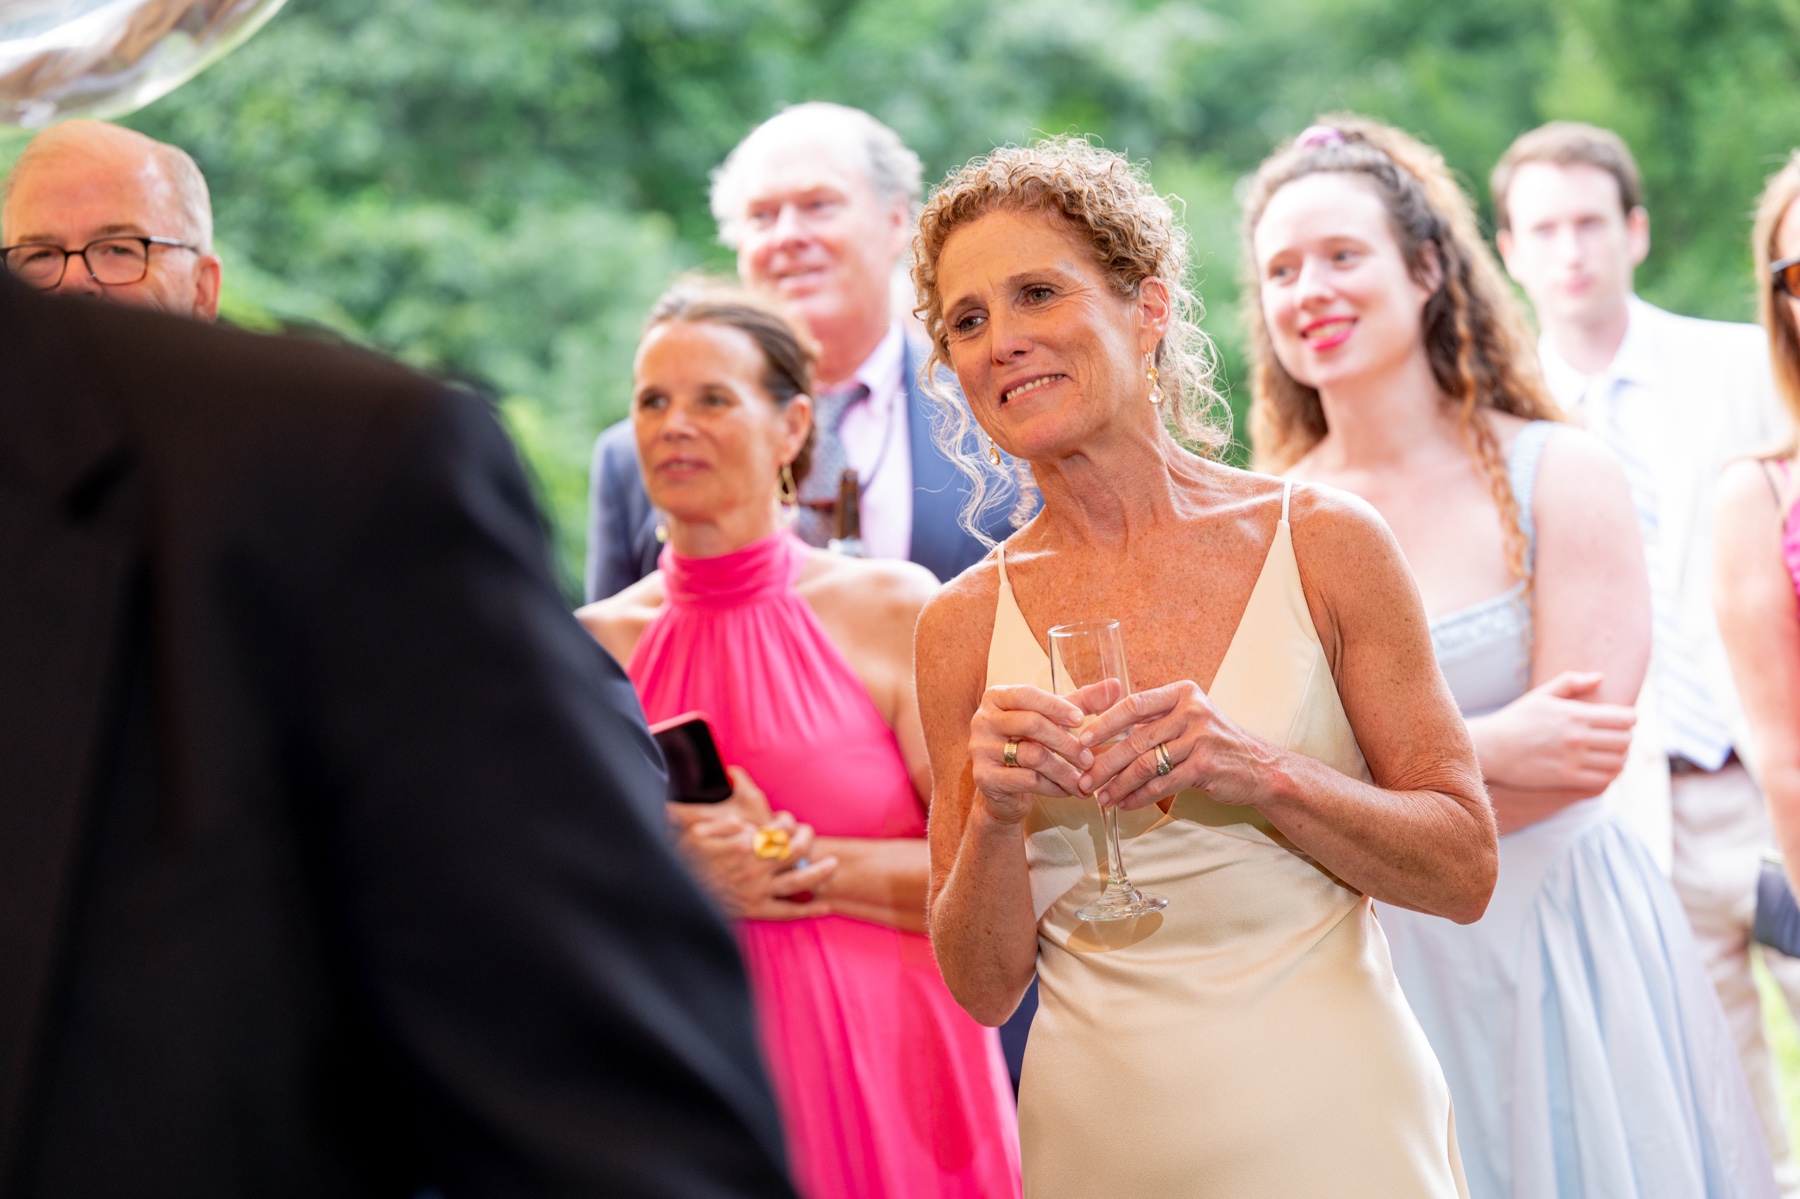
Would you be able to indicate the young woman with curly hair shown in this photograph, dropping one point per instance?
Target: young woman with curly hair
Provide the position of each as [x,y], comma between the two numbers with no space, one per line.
[1584,1047]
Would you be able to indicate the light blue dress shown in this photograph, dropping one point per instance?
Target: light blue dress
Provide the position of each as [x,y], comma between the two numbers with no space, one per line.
[1585,1048]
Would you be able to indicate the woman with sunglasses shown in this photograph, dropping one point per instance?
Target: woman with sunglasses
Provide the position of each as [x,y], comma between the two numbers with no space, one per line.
[1757,555]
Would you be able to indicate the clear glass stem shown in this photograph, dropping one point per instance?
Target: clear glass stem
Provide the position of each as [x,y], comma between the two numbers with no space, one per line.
[1115,862]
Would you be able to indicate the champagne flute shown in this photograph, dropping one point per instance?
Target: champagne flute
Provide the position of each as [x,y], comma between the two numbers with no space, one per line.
[1091,654]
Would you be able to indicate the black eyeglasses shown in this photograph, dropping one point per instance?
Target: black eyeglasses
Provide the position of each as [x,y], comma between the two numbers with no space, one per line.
[112,261]
[1786,275]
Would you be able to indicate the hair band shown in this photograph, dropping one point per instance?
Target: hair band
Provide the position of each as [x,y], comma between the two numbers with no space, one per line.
[1319,135]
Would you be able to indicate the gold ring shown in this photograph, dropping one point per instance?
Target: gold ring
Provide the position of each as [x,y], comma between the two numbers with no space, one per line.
[770,843]
[1163,764]
[1011,754]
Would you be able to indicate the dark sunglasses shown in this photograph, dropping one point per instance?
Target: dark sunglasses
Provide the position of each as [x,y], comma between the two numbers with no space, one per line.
[1786,276]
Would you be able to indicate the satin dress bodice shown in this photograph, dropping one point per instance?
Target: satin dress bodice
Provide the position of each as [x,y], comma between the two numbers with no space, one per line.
[1249,1040]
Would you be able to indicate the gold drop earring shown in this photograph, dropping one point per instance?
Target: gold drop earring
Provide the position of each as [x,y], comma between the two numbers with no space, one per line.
[993,452]
[790,492]
[1151,374]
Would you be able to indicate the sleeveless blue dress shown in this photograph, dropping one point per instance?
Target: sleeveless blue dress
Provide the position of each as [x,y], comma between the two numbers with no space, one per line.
[1584,1046]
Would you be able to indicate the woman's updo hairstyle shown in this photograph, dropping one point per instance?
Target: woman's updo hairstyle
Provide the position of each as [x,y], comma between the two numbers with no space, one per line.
[1480,349]
[1134,234]
[788,350]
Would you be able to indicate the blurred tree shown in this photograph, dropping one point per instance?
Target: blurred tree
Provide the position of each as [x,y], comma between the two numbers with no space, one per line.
[498,188]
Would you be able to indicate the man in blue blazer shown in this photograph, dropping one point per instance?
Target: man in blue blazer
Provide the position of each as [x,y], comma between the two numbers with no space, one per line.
[819,203]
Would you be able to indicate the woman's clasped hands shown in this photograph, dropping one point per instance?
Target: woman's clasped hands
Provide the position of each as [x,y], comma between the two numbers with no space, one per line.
[1093,743]
[753,861]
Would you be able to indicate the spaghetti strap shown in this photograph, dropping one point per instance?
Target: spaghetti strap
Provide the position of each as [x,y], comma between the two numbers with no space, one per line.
[1287,490]
[1768,469]
[1521,473]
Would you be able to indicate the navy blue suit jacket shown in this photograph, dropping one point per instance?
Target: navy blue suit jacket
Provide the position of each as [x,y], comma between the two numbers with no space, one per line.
[622,544]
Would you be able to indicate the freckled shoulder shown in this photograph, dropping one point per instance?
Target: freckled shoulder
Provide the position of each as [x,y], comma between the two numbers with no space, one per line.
[974,589]
[1339,536]
[1348,559]
[957,622]
[1328,519]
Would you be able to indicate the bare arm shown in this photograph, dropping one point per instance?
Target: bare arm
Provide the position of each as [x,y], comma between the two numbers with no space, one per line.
[1566,739]
[883,880]
[1760,621]
[982,926]
[1421,835]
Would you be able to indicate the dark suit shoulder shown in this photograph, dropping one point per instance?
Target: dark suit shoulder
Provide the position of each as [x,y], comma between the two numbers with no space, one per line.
[281,444]
[178,376]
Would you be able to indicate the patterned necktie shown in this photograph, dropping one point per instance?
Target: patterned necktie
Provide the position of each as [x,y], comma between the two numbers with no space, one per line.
[1690,717]
[816,521]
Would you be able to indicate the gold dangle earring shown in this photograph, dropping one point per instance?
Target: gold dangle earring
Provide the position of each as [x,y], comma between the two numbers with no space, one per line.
[1151,374]
[993,452]
[790,492]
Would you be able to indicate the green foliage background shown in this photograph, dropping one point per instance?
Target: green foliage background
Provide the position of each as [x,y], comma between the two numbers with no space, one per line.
[498,188]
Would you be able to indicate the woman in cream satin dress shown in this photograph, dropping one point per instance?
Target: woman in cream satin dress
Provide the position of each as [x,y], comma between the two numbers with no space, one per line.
[1250,1040]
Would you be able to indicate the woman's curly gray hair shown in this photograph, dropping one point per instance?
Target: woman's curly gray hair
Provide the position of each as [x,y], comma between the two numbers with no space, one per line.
[1134,234]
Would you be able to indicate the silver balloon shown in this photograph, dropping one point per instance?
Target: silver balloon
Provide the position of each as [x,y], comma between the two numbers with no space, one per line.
[104,58]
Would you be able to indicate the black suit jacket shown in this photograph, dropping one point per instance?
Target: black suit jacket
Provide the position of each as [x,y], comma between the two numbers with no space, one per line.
[622,545]
[331,849]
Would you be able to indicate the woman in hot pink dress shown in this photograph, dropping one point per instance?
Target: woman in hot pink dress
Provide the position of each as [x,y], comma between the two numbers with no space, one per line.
[802,662]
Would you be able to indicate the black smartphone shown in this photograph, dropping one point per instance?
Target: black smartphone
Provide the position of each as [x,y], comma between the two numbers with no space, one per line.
[696,772]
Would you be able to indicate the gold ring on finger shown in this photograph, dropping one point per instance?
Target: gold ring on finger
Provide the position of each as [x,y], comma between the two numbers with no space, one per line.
[1010,755]
[1163,764]
[770,843]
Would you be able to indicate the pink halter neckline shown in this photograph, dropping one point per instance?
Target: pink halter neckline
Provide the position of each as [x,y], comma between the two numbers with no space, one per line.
[765,567]
[737,641]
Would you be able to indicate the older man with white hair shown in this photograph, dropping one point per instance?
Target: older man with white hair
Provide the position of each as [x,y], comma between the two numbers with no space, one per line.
[819,202]
[96,209]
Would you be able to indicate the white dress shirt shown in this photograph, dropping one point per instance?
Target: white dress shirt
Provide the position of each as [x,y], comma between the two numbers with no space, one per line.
[877,438]
[1692,395]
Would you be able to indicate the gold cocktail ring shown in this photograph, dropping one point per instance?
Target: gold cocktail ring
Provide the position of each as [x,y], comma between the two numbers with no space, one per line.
[770,843]
[1010,755]
[1163,764]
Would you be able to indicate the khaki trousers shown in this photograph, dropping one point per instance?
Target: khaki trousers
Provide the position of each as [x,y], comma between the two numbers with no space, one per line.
[1720,833]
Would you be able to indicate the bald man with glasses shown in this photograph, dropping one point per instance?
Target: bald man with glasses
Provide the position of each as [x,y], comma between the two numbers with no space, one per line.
[99,210]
